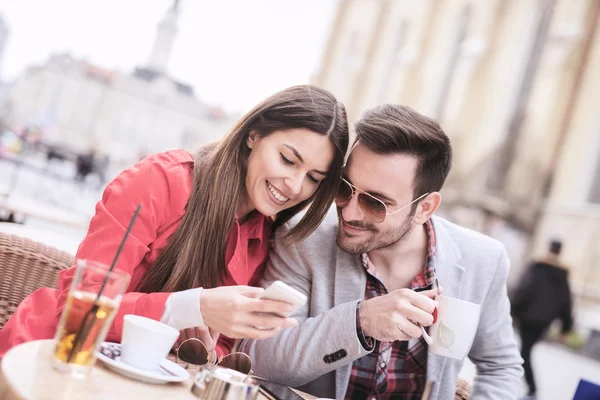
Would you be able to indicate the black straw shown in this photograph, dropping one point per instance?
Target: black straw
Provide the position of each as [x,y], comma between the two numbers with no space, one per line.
[112,266]
[94,308]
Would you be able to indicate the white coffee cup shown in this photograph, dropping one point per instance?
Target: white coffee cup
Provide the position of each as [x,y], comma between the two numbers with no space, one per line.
[454,330]
[146,342]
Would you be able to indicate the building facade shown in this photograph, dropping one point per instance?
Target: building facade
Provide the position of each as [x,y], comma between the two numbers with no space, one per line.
[123,115]
[4,34]
[515,84]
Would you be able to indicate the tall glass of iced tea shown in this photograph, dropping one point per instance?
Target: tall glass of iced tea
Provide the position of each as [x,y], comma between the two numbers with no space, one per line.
[86,317]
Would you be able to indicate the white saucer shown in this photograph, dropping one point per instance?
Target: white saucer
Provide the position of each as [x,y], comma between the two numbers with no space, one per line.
[110,355]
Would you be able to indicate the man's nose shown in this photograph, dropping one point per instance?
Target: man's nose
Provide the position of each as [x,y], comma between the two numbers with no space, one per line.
[352,211]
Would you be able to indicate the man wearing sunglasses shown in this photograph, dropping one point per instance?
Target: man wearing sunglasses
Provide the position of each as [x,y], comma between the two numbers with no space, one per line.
[370,272]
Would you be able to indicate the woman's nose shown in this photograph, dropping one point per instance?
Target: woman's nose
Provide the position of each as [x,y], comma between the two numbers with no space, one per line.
[294,183]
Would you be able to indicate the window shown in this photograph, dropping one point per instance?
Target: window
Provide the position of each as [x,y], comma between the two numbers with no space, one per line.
[394,60]
[461,33]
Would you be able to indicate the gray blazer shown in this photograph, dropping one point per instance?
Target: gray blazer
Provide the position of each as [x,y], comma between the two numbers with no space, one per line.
[316,356]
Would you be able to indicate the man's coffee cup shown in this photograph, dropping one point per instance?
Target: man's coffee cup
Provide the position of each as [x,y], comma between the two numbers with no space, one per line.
[454,329]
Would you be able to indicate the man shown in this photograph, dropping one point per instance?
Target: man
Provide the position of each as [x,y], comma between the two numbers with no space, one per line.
[542,296]
[357,337]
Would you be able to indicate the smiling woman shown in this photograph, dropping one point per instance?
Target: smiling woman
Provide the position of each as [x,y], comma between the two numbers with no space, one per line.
[206,222]
[284,169]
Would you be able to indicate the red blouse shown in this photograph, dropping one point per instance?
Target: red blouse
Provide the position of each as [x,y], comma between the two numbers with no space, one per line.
[162,183]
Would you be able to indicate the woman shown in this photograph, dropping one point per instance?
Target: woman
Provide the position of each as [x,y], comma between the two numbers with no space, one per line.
[206,222]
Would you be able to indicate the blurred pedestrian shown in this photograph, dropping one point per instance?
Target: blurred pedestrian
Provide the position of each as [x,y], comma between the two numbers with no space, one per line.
[84,165]
[541,296]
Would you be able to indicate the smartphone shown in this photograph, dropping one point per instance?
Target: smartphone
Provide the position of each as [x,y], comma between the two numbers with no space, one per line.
[282,292]
[276,391]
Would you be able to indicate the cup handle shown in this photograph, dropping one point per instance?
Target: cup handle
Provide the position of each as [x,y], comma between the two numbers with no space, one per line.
[428,339]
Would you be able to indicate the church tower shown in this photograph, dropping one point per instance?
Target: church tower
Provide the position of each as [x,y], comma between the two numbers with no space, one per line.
[165,38]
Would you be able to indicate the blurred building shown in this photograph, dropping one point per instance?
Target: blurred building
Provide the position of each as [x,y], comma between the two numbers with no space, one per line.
[4,32]
[516,85]
[85,106]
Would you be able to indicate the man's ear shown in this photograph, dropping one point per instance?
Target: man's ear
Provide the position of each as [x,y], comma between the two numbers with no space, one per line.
[427,206]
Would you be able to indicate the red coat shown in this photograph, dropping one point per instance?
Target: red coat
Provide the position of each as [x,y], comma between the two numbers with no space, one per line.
[162,184]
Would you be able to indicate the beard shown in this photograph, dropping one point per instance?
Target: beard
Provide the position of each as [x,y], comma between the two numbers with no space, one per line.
[377,240]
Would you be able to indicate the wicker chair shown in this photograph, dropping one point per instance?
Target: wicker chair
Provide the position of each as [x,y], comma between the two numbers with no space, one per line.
[26,266]
[463,390]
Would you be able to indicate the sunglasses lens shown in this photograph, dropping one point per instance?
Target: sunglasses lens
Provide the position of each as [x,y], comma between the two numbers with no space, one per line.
[373,209]
[193,351]
[344,193]
[237,361]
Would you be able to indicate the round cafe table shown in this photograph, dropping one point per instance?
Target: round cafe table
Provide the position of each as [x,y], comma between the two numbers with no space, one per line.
[26,373]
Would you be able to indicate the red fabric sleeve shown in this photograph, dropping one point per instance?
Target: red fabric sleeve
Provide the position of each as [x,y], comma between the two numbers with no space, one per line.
[155,183]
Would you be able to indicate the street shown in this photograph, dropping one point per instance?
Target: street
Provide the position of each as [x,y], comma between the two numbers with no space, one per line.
[557,371]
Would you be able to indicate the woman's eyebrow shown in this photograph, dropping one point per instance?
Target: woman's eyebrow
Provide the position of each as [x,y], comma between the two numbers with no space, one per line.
[302,159]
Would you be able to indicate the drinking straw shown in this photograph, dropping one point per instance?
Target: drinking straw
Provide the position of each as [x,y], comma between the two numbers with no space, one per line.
[85,325]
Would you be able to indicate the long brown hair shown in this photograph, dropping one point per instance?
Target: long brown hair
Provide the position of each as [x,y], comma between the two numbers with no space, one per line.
[195,254]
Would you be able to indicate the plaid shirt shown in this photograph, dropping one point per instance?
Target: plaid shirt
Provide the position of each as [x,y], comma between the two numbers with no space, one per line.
[394,369]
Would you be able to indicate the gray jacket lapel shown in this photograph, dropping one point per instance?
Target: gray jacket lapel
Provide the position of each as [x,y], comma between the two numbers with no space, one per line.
[449,274]
[349,285]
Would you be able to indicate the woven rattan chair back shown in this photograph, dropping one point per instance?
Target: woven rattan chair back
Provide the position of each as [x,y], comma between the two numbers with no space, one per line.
[26,266]
[463,390]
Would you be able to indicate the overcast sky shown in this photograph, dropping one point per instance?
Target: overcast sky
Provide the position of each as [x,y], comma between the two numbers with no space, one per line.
[234,52]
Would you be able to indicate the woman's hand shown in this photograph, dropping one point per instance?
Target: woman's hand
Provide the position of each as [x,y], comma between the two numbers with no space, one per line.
[236,312]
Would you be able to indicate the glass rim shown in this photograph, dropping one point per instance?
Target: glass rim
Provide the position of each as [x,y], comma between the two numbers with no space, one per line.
[100,267]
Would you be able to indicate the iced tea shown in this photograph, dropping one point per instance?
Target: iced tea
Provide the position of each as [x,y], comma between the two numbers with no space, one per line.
[77,306]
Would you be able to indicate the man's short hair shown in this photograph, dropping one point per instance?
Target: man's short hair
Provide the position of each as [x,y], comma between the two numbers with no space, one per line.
[396,129]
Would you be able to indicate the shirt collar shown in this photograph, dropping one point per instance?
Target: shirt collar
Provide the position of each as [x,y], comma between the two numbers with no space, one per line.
[430,260]
[254,225]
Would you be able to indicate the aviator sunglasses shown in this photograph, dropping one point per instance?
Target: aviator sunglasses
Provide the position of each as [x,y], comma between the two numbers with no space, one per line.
[373,208]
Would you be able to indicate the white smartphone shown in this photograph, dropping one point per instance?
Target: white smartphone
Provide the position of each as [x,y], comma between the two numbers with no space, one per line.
[282,292]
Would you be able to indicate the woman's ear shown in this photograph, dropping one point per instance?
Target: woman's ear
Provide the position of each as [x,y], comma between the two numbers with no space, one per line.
[252,138]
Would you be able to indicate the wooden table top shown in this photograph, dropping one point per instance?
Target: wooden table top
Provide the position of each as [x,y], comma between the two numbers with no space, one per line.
[26,373]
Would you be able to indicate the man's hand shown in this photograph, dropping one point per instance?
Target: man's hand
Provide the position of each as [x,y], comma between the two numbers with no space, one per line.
[394,315]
